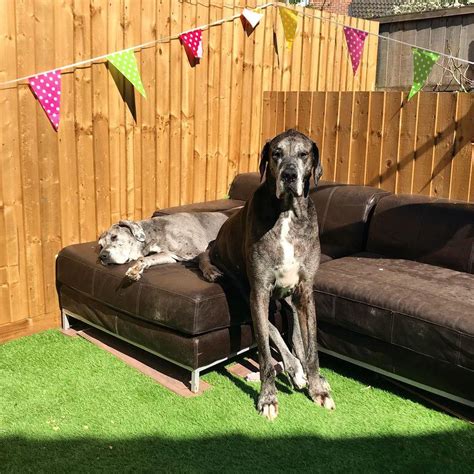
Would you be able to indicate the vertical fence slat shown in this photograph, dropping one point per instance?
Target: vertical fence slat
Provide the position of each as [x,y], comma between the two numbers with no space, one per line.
[188,75]
[148,125]
[331,126]
[425,144]
[246,108]
[344,141]
[48,160]
[258,87]
[375,137]
[236,101]
[444,140]
[100,114]
[64,29]
[304,112]
[463,148]
[84,144]
[163,87]
[291,110]
[360,123]
[407,147]
[318,104]
[29,165]
[391,141]
[225,91]
[214,36]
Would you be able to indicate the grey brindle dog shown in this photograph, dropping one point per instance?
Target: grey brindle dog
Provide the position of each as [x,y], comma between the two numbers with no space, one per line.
[164,239]
[271,247]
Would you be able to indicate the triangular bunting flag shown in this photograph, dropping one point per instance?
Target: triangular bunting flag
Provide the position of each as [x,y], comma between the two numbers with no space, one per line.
[47,88]
[126,63]
[355,44]
[289,19]
[252,17]
[192,41]
[423,62]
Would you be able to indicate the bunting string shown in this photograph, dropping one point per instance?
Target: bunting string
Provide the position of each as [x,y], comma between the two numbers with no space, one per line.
[217,23]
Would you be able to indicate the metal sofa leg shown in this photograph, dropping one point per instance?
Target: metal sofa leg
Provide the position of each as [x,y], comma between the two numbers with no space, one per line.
[65,323]
[195,381]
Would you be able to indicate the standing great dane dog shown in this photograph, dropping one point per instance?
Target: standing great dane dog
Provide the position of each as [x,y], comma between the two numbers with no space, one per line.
[271,247]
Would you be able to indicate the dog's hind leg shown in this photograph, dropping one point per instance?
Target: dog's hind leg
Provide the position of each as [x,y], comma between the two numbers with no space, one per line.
[291,364]
[296,337]
[135,271]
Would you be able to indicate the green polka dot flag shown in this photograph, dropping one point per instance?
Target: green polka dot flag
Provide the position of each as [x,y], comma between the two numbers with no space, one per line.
[289,18]
[423,62]
[126,63]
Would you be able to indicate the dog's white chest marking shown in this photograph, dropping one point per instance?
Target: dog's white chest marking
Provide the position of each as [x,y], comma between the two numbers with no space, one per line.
[287,273]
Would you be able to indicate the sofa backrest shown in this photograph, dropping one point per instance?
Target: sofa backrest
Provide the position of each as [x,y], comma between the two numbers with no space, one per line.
[429,230]
[244,185]
[344,212]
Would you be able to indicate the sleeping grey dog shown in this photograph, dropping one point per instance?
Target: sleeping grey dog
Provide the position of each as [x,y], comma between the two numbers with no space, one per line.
[164,239]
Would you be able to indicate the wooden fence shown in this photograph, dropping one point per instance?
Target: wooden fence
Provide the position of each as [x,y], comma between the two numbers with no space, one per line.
[449,31]
[117,155]
[422,147]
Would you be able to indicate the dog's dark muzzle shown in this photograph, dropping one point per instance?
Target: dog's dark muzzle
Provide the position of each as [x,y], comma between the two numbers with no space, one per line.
[289,178]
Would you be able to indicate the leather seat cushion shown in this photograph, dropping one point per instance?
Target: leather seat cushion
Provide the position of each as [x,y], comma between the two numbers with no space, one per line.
[423,308]
[174,295]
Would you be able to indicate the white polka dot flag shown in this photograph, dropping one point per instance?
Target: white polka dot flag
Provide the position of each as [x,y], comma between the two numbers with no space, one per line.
[126,63]
[289,18]
[252,17]
[192,41]
[423,62]
[47,88]
[355,40]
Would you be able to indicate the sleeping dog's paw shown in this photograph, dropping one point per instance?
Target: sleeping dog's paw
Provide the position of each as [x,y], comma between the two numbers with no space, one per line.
[135,272]
[211,273]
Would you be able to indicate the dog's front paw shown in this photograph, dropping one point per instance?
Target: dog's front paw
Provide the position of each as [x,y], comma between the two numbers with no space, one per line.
[320,394]
[268,406]
[135,272]
[212,273]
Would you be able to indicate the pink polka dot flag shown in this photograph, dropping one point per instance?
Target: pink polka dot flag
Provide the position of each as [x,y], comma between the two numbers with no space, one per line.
[355,43]
[47,89]
[289,18]
[192,41]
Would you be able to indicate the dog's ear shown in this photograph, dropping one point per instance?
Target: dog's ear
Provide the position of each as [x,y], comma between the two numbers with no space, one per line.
[317,166]
[135,228]
[264,159]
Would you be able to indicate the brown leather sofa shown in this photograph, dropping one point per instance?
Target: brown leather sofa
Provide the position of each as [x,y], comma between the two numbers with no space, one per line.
[394,293]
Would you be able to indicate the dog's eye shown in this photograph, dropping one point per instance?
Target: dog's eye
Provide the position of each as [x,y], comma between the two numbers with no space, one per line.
[277,154]
[113,237]
[303,154]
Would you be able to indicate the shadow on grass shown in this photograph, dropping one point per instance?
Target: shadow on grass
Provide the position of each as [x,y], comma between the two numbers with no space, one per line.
[441,452]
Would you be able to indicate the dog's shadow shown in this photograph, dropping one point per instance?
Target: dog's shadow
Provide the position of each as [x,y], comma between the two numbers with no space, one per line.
[283,385]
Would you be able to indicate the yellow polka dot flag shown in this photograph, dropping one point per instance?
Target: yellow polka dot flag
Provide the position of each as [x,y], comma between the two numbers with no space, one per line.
[126,63]
[423,62]
[289,18]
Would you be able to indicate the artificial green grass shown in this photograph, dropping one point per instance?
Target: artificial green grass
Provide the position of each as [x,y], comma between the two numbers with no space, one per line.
[68,406]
